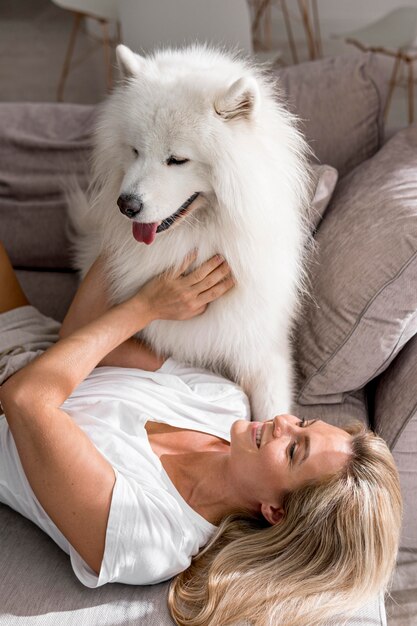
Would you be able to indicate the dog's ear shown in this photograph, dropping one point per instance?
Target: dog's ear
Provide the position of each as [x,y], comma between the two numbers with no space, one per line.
[240,100]
[130,64]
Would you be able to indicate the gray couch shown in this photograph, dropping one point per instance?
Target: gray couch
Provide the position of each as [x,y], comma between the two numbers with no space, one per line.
[356,348]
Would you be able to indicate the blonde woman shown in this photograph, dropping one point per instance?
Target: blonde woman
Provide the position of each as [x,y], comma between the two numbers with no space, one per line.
[142,469]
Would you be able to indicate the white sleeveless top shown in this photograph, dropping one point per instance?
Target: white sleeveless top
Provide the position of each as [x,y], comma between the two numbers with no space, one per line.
[152,532]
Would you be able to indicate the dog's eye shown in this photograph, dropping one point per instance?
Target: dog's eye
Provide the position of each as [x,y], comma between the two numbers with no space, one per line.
[173,161]
[135,152]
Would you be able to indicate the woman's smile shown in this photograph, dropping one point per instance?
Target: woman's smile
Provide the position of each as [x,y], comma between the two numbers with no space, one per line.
[256,432]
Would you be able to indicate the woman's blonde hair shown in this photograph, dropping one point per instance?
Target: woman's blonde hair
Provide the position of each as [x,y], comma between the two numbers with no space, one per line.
[334,549]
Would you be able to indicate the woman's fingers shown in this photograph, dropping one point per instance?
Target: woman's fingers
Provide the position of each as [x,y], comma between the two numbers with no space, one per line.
[201,272]
[204,284]
[218,290]
[173,296]
[218,274]
[210,280]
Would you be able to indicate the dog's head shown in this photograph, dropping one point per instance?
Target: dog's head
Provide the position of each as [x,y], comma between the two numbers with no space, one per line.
[166,125]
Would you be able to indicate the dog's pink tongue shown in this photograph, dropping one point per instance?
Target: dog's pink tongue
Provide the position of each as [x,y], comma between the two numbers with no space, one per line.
[144,233]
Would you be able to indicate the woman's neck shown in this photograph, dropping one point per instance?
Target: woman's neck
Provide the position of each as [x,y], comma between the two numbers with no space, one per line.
[203,480]
[198,465]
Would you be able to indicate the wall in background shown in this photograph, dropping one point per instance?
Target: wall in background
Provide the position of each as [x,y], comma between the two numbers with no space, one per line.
[152,23]
[339,15]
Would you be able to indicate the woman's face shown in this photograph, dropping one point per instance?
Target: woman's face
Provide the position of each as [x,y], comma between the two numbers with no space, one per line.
[270,459]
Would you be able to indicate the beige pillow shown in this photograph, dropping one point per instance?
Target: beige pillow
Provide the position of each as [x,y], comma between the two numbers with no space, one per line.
[340,102]
[363,307]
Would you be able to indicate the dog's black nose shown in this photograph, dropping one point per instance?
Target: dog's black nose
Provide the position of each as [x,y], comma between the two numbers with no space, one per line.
[129,204]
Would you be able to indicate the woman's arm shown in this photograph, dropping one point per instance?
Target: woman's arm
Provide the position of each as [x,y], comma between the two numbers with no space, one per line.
[71,479]
[90,301]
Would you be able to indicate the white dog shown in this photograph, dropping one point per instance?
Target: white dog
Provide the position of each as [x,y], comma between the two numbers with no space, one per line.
[198,152]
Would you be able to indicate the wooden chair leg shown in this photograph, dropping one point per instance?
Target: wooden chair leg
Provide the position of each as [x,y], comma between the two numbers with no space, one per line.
[410,91]
[392,84]
[268,27]
[70,49]
[107,53]
[288,28]
[317,33]
[259,12]
[304,12]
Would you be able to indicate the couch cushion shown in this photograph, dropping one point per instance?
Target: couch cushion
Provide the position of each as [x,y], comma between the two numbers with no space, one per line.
[340,102]
[364,278]
[39,588]
[50,292]
[43,146]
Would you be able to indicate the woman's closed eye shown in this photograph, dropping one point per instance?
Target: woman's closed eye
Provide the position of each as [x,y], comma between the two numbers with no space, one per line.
[303,423]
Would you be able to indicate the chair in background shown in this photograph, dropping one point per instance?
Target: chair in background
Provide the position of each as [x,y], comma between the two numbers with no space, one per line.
[307,12]
[104,12]
[394,35]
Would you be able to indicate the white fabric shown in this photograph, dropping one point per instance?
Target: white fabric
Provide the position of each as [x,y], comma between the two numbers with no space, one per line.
[152,532]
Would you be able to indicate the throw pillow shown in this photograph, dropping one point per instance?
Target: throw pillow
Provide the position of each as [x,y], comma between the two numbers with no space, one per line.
[340,102]
[363,307]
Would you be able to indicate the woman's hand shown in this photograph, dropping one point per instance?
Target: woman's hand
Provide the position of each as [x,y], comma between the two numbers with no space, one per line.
[180,296]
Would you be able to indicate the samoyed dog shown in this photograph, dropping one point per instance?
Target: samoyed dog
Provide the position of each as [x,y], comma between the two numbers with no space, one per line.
[195,149]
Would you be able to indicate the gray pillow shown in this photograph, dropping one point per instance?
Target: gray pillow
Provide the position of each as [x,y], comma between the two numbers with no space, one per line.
[340,102]
[363,307]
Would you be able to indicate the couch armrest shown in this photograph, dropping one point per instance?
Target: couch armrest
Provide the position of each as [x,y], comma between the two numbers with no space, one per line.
[395,395]
[396,421]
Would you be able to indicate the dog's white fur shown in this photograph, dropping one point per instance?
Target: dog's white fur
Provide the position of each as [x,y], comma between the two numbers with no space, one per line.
[249,163]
